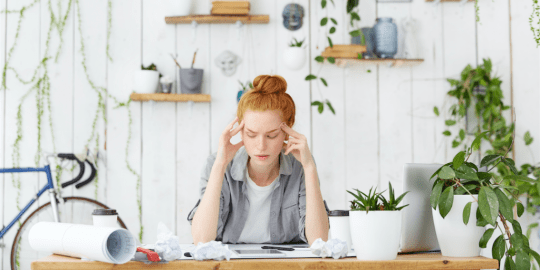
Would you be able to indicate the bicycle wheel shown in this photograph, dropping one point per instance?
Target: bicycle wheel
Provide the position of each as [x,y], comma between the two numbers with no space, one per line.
[76,210]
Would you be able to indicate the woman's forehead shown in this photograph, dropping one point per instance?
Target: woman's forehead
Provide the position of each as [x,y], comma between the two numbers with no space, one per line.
[262,121]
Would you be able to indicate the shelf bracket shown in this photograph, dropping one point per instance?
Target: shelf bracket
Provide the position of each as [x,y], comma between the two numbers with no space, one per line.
[194,25]
[238,25]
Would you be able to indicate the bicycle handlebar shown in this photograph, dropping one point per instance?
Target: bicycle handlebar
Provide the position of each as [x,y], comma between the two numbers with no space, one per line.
[90,178]
[70,156]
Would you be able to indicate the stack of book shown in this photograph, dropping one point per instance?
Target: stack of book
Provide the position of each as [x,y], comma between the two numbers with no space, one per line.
[344,51]
[230,8]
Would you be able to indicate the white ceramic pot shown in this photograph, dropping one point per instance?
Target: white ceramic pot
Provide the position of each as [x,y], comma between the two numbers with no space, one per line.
[455,238]
[178,7]
[145,81]
[294,57]
[375,235]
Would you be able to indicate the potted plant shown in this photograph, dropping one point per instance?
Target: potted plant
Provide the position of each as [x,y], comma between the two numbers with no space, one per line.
[146,80]
[490,200]
[375,224]
[244,88]
[294,56]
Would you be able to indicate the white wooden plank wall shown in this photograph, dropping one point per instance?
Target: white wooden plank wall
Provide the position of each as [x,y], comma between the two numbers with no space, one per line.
[384,116]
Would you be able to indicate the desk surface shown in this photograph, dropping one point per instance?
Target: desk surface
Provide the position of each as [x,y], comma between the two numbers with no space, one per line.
[403,262]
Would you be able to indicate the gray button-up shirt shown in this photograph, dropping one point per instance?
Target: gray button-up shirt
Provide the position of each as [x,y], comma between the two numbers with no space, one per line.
[287,210]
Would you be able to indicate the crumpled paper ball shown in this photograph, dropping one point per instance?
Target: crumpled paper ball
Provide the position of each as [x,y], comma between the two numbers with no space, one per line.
[167,246]
[211,250]
[334,248]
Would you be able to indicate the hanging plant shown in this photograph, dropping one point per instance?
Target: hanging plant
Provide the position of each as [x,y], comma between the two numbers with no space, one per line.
[535,19]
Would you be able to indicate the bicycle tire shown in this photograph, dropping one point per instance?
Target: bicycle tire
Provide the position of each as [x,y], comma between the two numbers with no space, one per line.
[48,208]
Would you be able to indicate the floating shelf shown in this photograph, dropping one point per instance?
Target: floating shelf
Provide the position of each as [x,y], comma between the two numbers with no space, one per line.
[170,97]
[218,19]
[344,62]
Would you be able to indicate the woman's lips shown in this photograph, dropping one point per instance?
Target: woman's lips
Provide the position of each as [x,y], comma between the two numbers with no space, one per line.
[262,157]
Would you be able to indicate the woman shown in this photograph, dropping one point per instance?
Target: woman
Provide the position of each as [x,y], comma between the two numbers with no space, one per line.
[261,190]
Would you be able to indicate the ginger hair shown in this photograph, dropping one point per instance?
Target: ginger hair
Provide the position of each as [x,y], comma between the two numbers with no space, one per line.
[268,93]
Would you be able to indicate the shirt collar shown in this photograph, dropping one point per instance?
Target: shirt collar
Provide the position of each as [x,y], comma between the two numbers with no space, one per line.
[239,164]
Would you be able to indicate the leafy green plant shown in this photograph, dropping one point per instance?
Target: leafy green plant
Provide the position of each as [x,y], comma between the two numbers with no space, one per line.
[374,201]
[495,200]
[535,19]
[352,10]
[296,43]
[247,86]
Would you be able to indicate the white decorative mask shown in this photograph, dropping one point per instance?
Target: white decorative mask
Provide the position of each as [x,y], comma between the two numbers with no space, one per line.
[228,62]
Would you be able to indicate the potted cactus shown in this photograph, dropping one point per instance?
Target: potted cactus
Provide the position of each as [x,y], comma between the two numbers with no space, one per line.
[146,80]
[375,224]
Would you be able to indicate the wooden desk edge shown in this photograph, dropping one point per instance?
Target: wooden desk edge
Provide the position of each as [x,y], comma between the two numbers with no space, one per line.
[406,262]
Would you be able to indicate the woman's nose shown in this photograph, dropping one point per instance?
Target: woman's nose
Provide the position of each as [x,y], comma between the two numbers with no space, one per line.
[261,144]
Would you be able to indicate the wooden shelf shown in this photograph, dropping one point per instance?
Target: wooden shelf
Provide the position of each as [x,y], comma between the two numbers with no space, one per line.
[344,62]
[170,97]
[218,19]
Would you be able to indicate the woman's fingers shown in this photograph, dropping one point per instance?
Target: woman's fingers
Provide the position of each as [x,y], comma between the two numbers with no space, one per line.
[231,125]
[291,147]
[237,129]
[290,131]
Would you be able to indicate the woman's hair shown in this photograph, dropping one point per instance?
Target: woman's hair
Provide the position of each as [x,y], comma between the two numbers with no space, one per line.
[268,93]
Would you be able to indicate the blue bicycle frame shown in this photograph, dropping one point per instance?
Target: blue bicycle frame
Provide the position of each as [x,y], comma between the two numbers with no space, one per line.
[49,186]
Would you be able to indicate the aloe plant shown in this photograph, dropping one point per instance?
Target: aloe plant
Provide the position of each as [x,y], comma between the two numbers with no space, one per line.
[374,201]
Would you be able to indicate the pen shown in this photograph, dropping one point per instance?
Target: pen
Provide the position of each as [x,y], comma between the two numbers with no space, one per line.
[278,248]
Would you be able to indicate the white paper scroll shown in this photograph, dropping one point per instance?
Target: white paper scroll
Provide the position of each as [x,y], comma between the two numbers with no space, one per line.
[106,244]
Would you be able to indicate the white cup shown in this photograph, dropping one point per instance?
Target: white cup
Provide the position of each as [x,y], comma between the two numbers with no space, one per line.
[340,227]
[105,218]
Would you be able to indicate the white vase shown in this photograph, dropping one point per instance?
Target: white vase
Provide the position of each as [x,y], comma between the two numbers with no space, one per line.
[178,7]
[294,58]
[376,234]
[145,81]
[455,238]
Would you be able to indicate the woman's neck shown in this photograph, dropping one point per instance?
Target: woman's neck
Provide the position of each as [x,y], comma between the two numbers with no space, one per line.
[263,175]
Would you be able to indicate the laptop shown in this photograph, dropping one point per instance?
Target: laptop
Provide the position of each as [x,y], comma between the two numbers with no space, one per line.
[418,231]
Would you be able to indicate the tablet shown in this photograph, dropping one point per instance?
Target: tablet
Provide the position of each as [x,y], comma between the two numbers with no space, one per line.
[259,253]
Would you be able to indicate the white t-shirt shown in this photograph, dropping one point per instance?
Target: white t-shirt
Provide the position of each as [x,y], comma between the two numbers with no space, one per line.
[256,230]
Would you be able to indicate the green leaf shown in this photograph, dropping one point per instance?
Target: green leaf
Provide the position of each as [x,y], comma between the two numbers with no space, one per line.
[505,205]
[477,141]
[324,81]
[332,30]
[324,21]
[332,60]
[360,57]
[449,122]
[319,59]
[333,20]
[455,144]
[330,107]
[447,173]
[485,238]
[527,138]
[510,163]
[355,33]
[467,213]
[459,159]
[535,255]
[436,194]
[355,16]
[436,110]
[509,264]
[520,178]
[310,77]
[517,241]
[516,226]
[488,204]
[488,160]
[321,108]
[447,133]
[497,251]
[520,209]
[323,3]
[462,134]
[330,42]
[480,221]
[446,201]
[316,103]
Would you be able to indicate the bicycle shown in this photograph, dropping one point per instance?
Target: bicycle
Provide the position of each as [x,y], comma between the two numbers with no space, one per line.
[69,209]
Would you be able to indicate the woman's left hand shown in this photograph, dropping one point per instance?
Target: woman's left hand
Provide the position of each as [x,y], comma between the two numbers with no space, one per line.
[298,146]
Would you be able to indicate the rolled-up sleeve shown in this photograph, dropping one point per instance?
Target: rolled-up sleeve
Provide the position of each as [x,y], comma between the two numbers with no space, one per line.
[302,206]
[205,175]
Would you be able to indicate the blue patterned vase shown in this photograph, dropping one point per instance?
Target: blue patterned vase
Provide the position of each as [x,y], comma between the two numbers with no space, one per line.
[385,35]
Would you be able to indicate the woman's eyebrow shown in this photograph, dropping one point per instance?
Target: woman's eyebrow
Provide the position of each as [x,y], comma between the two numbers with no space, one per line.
[249,130]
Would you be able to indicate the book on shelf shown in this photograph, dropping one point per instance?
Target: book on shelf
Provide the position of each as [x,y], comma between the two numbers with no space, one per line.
[229,11]
[344,51]
[231,4]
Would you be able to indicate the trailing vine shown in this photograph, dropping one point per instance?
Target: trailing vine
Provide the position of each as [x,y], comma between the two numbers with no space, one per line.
[41,85]
[535,17]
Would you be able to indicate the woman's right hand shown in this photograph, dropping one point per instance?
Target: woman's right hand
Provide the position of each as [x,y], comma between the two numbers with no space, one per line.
[226,149]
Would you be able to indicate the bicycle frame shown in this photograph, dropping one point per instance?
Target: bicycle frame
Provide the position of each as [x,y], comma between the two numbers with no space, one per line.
[49,186]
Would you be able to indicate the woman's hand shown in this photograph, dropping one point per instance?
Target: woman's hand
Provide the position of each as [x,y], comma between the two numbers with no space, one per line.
[226,149]
[298,146]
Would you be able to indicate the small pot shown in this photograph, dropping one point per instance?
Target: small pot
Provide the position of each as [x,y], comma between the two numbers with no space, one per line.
[455,238]
[145,81]
[179,7]
[294,58]
[191,80]
[375,234]
[340,226]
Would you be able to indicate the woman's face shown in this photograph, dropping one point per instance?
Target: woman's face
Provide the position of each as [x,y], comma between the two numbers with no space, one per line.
[262,136]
